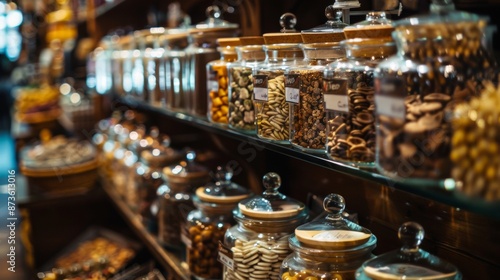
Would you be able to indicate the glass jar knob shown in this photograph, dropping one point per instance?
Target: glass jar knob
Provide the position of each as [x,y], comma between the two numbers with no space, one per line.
[213,12]
[334,205]
[333,14]
[165,143]
[190,156]
[411,235]
[272,182]
[288,22]
[224,174]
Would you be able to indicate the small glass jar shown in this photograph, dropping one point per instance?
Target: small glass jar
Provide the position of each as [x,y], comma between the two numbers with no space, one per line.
[273,112]
[217,81]
[329,247]
[241,88]
[304,92]
[255,247]
[409,262]
[349,102]
[208,223]
[175,198]
[441,62]
[149,178]
[376,25]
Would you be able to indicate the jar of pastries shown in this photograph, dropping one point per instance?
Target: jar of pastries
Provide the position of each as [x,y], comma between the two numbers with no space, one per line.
[256,246]
[329,247]
[207,224]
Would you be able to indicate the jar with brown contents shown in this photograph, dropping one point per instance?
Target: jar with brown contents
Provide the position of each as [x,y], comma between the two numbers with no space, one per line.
[349,100]
[441,62]
[217,80]
[304,92]
[208,223]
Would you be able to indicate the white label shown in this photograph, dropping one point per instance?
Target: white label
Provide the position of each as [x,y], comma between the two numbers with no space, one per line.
[260,90]
[292,95]
[390,106]
[225,256]
[260,93]
[335,102]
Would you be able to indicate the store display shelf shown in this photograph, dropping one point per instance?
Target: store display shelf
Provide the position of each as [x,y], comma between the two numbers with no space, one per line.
[168,260]
[442,191]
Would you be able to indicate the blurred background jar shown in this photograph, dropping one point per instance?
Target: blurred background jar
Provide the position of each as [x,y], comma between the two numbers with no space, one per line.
[256,246]
[441,62]
[175,198]
[207,224]
[329,247]
[217,81]
[349,100]
[408,262]
[176,71]
[241,115]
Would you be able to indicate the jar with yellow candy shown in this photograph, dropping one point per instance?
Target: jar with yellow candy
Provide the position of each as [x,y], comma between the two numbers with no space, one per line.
[217,80]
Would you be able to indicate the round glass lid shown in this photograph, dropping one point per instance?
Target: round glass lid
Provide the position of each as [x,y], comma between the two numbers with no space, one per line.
[223,190]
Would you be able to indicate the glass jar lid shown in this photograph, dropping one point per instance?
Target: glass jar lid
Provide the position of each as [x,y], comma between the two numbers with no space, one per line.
[410,262]
[331,31]
[287,34]
[333,231]
[187,171]
[161,155]
[214,21]
[223,191]
[252,40]
[376,25]
[271,205]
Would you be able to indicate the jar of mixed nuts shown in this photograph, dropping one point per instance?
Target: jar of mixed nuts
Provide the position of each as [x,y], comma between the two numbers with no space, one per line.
[349,102]
[441,62]
[273,112]
[304,93]
[408,262]
[256,246]
[208,223]
[217,81]
[175,198]
[330,247]
[241,88]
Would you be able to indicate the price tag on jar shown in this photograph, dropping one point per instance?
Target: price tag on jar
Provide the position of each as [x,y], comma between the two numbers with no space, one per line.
[335,95]
[260,90]
[292,88]
[390,96]
[225,256]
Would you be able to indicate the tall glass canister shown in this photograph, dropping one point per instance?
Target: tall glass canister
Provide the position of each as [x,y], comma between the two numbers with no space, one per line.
[349,100]
[217,81]
[241,88]
[176,71]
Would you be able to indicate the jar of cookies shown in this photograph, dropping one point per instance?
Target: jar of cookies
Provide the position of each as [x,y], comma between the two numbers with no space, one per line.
[241,89]
[304,93]
[175,198]
[217,81]
[349,102]
[329,247]
[256,246]
[409,262]
[273,112]
[441,62]
[208,223]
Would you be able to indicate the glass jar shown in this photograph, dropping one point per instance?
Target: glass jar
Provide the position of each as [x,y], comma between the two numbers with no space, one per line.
[376,25]
[202,50]
[330,31]
[217,81]
[241,89]
[255,247]
[127,60]
[441,62]
[175,198]
[149,178]
[208,223]
[330,247]
[304,92]
[176,71]
[349,102]
[273,112]
[409,262]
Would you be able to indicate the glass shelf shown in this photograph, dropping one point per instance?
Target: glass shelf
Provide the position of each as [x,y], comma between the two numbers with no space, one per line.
[440,191]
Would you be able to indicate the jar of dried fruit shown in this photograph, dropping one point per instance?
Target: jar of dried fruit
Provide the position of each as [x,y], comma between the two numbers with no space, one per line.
[329,247]
[256,246]
[304,93]
[207,224]
[241,88]
[217,80]
[440,63]
[273,112]
[349,102]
